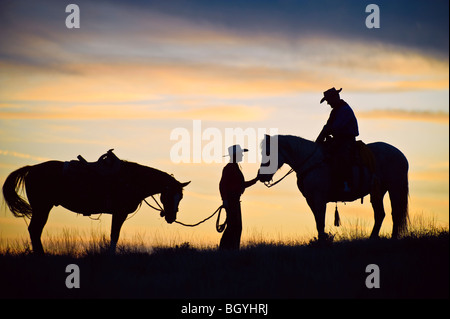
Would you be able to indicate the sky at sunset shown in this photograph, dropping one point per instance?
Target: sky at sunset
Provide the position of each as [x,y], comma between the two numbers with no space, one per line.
[137,70]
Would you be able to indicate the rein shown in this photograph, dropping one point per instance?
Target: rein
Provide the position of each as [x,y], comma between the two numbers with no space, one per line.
[269,184]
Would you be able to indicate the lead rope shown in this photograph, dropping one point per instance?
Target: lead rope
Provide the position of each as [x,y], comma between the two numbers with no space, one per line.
[219,227]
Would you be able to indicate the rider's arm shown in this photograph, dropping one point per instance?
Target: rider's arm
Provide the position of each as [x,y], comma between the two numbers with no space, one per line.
[323,134]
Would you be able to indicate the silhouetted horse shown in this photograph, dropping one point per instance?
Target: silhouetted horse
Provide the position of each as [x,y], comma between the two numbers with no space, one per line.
[88,188]
[314,179]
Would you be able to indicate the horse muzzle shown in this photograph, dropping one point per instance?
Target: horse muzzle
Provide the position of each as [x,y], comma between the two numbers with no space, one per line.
[264,177]
[170,219]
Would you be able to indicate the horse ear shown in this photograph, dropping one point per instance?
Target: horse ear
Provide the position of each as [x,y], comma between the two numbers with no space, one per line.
[185,184]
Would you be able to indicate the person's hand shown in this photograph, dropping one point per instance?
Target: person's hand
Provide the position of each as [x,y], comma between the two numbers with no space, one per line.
[225,203]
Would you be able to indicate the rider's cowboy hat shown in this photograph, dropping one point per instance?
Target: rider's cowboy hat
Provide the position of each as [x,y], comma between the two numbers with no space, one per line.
[329,94]
[235,149]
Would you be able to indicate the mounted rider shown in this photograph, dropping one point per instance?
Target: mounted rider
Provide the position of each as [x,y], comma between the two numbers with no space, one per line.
[339,133]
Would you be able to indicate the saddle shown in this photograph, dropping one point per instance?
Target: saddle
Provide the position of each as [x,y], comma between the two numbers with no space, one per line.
[367,159]
[363,156]
[103,174]
[107,164]
[360,173]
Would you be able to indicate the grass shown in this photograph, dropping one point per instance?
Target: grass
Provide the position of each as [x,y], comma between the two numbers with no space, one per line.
[415,266]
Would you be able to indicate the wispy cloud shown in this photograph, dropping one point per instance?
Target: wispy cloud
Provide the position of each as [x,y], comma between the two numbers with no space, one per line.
[159,54]
[266,68]
[422,116]
[234,113]
[433,176]
[22,155]
[146,51]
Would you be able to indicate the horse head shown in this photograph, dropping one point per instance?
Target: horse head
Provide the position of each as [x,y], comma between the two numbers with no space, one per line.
[271,159]
[170,199]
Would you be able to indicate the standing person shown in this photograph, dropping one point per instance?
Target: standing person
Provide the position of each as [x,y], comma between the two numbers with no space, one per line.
[232,185]
[340,132]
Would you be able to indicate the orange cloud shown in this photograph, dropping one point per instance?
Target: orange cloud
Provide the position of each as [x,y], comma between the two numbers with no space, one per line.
[423,116]
[23,155]
[235,66]
[435,176]
[233,113]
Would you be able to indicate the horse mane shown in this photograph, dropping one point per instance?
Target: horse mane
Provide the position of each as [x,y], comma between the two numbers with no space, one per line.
[295,143]
[141,172]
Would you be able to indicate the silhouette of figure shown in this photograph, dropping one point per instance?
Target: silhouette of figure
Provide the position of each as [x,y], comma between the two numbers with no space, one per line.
[232,185]
[339,132]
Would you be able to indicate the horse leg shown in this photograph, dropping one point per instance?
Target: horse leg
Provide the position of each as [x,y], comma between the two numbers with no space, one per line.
[378,210]
[38,221]
[116,225]
[319,208]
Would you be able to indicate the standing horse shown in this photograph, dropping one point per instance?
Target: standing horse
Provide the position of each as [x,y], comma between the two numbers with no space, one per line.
[314,179]
[88,188]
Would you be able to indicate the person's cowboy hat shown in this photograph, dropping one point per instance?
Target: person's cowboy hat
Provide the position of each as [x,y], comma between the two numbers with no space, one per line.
[235,149]
[329,94]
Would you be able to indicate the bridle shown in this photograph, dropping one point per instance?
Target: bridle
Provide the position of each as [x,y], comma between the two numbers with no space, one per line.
[159,208]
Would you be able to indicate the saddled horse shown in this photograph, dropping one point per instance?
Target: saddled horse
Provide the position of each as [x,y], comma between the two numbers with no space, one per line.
[314,179]
[110,186]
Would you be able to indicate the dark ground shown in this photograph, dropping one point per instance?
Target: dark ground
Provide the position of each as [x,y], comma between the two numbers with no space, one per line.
[412,267]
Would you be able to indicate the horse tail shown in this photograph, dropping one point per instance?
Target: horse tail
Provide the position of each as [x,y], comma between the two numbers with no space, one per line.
[18,205]
[399,202]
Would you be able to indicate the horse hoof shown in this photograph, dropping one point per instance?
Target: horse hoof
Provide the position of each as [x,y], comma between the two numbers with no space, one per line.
[324,240]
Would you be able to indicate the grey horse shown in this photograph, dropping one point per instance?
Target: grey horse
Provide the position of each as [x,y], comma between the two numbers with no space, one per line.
[308,160]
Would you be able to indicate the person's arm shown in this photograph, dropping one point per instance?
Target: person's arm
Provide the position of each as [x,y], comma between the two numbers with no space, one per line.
[323,134]
[250,182]
[327,128]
